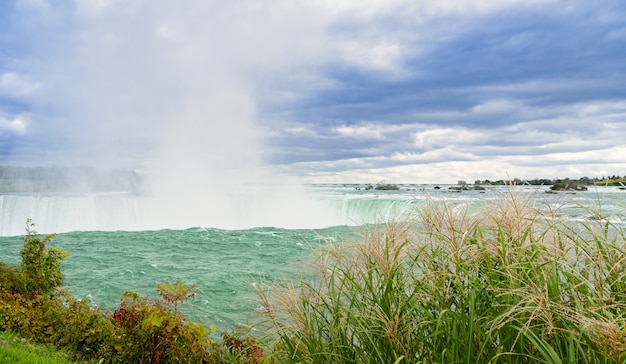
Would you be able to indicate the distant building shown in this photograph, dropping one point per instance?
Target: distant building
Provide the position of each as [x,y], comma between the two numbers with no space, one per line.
[461,183]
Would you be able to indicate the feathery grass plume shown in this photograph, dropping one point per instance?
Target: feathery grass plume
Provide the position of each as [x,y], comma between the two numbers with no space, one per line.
[510,282]
[355,305]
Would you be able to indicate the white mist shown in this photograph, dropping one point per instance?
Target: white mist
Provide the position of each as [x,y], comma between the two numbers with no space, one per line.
[168,90]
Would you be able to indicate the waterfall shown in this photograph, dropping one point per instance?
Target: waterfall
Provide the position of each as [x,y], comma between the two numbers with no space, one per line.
[57,213]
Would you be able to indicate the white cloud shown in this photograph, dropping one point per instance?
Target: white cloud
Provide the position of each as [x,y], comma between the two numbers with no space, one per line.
[361,131]
[301,130]
[375,130]
[468,170]
[14,85]
[382,55]
[604,110]
[367,9]
[581,139]
[17,125]
[442,137]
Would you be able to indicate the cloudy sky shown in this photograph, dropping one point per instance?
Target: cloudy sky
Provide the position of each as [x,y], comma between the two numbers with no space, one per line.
[341,91]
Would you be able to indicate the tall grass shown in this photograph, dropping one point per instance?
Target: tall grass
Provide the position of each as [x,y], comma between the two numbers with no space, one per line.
[510,283]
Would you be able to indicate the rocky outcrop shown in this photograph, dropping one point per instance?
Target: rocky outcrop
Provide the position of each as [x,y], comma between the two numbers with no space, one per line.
[568,186]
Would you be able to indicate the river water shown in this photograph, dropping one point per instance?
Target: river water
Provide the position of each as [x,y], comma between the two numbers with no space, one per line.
[226,264]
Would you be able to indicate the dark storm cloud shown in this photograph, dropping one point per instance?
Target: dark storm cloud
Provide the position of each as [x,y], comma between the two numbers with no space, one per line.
[511,49]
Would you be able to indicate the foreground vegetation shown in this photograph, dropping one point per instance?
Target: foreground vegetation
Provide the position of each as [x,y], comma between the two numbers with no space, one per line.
[140,330]
[510,283]
[18,350]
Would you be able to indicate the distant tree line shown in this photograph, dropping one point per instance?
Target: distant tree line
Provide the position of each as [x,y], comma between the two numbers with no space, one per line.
[583,181]
[67,179]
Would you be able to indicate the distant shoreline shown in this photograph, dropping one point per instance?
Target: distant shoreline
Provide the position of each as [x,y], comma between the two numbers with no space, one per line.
[90,179]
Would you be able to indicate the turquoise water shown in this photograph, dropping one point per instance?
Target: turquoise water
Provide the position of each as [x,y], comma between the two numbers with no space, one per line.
[226,264]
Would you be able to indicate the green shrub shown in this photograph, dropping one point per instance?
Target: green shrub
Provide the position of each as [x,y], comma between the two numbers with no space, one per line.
[146,330]
[13,280]
[58,319]
[243,349]
[41,266]
[14,314]
[40,269]
[76,326]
